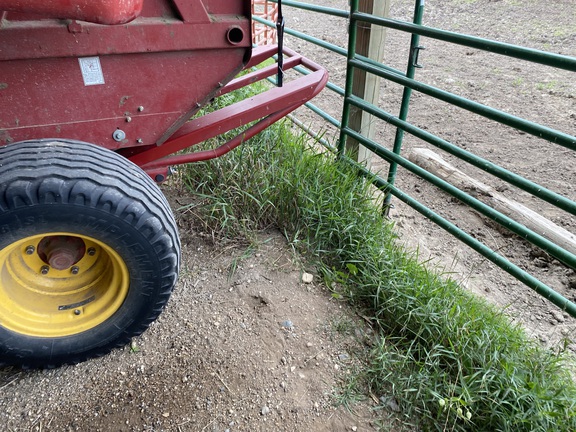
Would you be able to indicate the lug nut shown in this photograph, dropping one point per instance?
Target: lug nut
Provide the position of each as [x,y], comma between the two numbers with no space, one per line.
[77,312]
[74,269]
[30,250]
[91,251]
[44,270]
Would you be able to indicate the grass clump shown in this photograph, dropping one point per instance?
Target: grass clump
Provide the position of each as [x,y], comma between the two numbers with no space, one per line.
[450,360]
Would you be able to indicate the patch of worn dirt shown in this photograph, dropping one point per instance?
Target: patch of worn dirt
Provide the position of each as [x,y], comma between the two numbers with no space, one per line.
[243,345]
[537,93]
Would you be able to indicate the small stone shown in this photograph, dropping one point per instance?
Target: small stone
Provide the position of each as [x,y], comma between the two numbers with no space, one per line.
[166,414]
[354,428]
[265,410]
[287,324]
[307,278]
[393,405]
[343,357]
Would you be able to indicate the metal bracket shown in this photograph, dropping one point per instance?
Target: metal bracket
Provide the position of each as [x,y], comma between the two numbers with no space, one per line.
[415,53]
[280,34]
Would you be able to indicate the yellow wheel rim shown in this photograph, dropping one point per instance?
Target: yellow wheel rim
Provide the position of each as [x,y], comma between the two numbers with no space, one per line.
[37,299]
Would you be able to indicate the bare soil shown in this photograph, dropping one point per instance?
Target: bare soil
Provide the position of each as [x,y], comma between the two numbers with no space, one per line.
[244,344]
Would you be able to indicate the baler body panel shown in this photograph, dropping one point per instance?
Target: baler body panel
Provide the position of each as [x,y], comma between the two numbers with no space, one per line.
[79,80]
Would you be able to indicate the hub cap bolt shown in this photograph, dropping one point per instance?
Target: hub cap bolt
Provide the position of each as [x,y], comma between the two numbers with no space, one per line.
[75,270]
[77,312]
[44,270]
[30,250]
[91,251]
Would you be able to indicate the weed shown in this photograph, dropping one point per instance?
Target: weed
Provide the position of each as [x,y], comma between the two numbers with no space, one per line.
[547,86]
[343,325]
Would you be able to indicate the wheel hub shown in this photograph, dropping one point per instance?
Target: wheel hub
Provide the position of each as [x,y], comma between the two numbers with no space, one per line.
[61,252]
[59,284]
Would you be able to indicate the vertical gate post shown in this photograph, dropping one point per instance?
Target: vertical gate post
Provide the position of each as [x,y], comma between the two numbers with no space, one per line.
[370,43]
[410,71]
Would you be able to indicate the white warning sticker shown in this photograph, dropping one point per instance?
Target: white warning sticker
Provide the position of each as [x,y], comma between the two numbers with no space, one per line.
[91,71]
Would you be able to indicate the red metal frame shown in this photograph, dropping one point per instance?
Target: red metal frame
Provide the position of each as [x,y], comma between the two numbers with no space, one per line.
[269,107]
[149,77]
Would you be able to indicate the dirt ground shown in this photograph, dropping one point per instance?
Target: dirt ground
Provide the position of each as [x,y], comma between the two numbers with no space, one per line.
[244,344]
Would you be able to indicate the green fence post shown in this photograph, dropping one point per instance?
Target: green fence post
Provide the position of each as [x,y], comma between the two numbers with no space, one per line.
[410,70]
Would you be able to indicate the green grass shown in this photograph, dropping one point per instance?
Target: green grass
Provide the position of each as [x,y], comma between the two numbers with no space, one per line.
[451,361]
[547,86]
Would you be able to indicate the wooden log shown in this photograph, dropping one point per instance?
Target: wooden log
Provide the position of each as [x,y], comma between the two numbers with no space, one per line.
[434,163]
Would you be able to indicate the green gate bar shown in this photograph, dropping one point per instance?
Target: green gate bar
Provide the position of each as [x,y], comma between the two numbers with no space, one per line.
[394,158]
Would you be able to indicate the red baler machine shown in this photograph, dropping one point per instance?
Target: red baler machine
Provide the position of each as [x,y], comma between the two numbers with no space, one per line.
[93,93]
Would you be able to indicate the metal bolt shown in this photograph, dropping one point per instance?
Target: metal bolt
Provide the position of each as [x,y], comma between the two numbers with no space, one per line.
[77,312]
[128,119]
[139,140]
[119,135]
[30,250]
[74,270]
[91,251]
[44,270]
[140,108]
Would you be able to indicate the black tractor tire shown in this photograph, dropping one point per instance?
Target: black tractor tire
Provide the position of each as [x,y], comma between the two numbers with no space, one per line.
[89,252]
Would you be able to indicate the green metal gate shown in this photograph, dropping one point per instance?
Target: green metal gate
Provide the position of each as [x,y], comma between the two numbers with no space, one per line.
[394,158]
